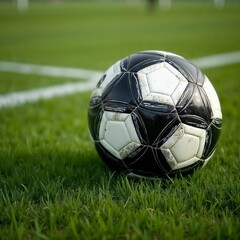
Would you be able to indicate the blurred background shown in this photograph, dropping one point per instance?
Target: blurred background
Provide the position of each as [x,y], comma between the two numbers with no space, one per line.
[93,34]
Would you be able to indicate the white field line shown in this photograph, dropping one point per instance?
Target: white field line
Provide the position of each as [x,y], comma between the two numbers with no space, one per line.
[217,60]
[34,95]
[51,71]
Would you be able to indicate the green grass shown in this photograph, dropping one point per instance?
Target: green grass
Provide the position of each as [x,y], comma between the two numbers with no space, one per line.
[11,82]
[53,185]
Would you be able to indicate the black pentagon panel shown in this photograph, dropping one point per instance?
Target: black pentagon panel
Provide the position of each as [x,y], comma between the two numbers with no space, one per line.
[152,125]
[193,107]
[147,162]
[136,62]
[120,96]
[94,118]
[213,134]
[187,69]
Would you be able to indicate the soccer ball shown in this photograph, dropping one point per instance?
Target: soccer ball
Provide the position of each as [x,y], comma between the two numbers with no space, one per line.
[154,114]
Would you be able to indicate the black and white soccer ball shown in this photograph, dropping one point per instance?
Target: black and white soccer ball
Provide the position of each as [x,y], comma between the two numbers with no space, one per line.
[154,114]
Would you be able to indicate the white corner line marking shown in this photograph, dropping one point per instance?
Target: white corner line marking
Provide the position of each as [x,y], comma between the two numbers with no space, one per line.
[30,96]
[217,60]
[34,95]
[51,71]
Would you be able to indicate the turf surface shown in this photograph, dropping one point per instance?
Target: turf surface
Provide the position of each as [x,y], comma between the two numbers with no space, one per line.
[52,183]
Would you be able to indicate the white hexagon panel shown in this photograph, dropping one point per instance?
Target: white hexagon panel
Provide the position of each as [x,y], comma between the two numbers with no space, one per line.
[184,147]
[117,134]
[161,83]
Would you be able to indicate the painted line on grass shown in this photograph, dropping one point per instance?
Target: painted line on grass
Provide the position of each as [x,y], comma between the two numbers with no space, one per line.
[51,71]
[29,96]
[217,60]
[34,95]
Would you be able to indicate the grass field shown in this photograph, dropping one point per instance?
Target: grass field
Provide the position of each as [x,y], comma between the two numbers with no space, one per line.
[53,185]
